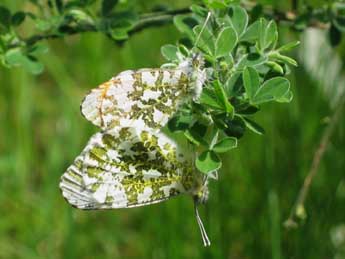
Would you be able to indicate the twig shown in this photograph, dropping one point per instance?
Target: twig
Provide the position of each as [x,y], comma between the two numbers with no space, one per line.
[318,155]
[289,17]
[161,18]
[145,21]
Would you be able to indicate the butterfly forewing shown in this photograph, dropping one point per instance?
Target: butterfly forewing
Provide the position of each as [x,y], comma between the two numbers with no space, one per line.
[126,169]
[144,99]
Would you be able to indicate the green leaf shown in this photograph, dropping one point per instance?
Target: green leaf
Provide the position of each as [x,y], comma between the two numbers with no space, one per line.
[206,40]
[119,34]
[43,25]
[225,145]
[108,6]
[251,35]
[215,4]
[219,120]
[223,99]
[253,126]
[184,24]
[199,10]
[272,90]
[334,36]
[275,67]
[239,19]
[235,127]
[15,57]
[180,122]
[33,66]
[194,135]
[246,109]
[289,46]
[18,18]
[226,41]
[80,16]
[251,80]
[38,49]
[282,58]
[208,162]
[234,84]
[5,17]
[251,60]
[339,22]
[209,98]
[286,98]
[262,33]
[268,34]
[183,50]
[169,52]
[199,129]
[271,35]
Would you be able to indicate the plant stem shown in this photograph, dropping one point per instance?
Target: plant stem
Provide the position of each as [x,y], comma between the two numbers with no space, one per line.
[318,155]
[161,18]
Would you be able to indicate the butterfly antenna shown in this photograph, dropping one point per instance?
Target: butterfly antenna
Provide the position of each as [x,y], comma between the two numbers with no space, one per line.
[202,29]
[204,236]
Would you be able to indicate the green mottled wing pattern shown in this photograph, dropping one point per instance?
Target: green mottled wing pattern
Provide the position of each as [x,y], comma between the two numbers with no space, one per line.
[144,99]
[125,169]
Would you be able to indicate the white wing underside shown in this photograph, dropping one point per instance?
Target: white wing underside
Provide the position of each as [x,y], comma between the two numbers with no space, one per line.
[104,177]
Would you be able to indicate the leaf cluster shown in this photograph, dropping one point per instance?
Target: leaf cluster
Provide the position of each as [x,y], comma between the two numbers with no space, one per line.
[56,19]
[245,69]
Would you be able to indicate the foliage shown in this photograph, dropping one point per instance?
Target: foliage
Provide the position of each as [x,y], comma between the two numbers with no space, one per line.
[119,19]
[245,70]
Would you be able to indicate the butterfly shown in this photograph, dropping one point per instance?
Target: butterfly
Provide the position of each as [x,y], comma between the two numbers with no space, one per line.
[131,162]
[146,98]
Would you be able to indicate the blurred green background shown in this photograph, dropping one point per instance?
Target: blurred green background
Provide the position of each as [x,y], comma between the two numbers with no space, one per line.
[42,131]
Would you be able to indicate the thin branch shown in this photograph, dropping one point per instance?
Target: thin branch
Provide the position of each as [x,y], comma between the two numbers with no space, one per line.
[162,18]
[145,21]
[288,17]
[318,155]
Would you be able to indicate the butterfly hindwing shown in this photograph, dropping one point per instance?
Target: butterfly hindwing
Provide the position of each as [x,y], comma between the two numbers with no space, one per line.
[125,169]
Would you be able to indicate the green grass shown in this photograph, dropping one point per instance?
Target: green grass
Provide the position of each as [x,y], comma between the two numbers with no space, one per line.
[42,131]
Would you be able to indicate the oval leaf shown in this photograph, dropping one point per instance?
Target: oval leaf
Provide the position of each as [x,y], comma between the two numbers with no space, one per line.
[169,52]
[251,81]
[239,19]
[205,39]
[272,90]
[226,41]
[225,145]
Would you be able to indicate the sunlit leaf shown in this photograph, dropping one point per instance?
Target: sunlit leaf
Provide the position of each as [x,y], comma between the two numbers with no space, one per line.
[251,81]
[239,19]
[271,90]
[226,41]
